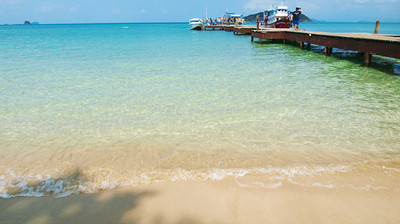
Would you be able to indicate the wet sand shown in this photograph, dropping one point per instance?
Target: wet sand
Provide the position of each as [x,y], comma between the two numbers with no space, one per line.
[209,202]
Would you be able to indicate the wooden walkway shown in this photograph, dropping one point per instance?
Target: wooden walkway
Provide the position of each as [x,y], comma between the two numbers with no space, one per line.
[214,27]
[369,44]
[219,27]
[245,29]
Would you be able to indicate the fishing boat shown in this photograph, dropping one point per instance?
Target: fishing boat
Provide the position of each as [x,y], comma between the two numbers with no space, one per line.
[279,17]
[196,24]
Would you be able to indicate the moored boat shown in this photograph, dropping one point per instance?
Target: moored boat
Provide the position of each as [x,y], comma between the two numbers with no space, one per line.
[196,24]
[279,17]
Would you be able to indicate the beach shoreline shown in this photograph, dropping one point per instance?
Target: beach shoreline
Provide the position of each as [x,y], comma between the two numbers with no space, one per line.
[224,201]
[102,124]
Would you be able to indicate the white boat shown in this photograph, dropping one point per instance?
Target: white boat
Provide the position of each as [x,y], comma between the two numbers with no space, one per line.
[196,24]
[279,18]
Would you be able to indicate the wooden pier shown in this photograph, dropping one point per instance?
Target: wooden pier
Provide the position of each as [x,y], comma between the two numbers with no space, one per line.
[369,44]
[229,28]
[242,29]
[245,29]
[219,27]
[214,27]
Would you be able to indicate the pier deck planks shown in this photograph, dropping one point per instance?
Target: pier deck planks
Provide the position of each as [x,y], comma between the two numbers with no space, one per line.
[384,45]
[244,29]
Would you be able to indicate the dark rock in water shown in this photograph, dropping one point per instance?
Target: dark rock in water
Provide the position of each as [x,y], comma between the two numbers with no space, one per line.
[253,17]
[27,22]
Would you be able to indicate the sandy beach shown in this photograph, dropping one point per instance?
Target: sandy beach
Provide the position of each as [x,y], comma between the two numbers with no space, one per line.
[209,202]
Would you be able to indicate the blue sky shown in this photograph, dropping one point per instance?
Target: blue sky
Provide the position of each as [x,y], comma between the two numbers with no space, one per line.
[109,11]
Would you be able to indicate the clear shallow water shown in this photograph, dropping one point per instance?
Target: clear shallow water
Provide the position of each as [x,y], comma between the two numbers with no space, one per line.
[343,27]
[92,107]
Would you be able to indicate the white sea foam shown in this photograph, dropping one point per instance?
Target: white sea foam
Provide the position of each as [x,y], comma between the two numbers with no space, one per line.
[258,184]
[38,185]
[323,185]
[22,182]
[391,169]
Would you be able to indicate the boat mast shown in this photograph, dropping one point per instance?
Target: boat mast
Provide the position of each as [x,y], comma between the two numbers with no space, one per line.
[206,15]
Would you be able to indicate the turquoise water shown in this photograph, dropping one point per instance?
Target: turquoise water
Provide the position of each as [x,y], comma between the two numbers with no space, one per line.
[342,27]
[89,107]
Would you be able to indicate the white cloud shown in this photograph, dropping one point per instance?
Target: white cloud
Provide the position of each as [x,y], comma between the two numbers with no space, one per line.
[308,6]
[74,8]
[48,6]
[259,4]
[9,2]
[115,11]
[373,1]
[351,4]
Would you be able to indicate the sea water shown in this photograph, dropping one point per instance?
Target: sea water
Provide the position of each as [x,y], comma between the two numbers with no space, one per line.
[91,107]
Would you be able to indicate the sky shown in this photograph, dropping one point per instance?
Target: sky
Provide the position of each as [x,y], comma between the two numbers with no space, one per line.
[124,11]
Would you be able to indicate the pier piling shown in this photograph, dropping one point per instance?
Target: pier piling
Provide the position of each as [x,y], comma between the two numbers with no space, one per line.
[384,45]
[364,43]
[367,60]
[326,49]
[378,23]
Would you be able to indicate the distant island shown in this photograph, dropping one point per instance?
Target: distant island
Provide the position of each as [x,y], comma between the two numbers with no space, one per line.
[253,17]
[30,23]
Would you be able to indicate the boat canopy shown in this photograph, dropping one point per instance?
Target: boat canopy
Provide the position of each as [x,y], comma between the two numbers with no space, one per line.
[283,8]
[195,20]
[229,14]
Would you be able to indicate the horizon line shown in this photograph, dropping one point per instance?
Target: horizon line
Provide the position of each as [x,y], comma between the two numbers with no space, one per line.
[77,23]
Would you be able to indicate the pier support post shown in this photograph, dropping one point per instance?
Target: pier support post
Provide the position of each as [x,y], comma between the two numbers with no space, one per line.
[252,38]
[367,60]
[260,40]
[301,45]
[327,50]
[378,23]
[284,41]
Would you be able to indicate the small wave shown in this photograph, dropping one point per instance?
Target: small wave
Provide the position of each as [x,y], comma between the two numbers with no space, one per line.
[15,183]
[259,184]
[40,186]
[323,185]
[391,169]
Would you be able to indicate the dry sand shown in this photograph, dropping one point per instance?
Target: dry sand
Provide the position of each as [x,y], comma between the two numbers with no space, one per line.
[209,202]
